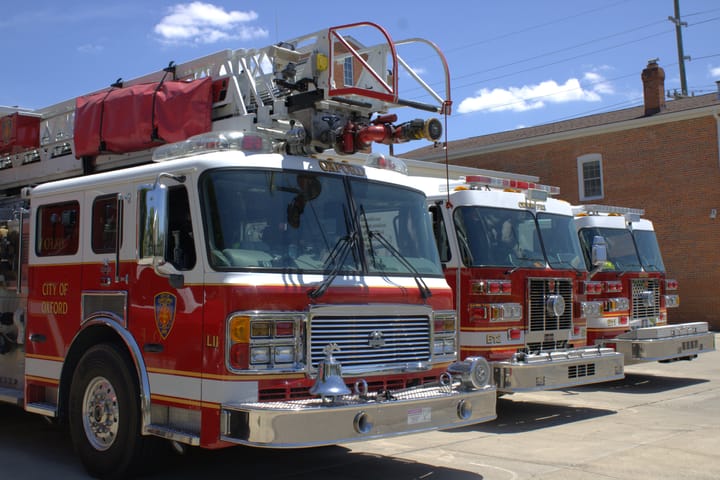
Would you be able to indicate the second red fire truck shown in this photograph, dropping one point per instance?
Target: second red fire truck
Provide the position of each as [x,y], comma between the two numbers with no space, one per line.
[510,252]
[634,289]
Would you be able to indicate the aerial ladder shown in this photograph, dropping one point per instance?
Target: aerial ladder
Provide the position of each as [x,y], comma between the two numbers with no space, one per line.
[320,91]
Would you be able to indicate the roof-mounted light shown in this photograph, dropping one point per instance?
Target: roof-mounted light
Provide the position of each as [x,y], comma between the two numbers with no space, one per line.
[509,183]
[386,162]
[249,143]
[631,214]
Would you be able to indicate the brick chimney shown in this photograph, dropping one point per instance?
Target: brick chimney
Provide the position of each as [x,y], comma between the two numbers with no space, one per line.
[653,78]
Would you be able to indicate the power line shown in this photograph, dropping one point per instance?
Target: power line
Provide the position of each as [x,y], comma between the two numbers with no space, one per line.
[572,47]
[564,59]
[535,27]
[582,55]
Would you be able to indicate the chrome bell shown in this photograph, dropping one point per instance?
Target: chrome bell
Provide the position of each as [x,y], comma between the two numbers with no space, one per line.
[329,382]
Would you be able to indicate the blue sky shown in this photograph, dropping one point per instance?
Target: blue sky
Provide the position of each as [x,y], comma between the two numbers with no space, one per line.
[512,63]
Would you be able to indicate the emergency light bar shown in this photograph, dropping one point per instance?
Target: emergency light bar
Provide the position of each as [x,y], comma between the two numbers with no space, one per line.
[383,162]
[250,143]
[509,183]
[609,209]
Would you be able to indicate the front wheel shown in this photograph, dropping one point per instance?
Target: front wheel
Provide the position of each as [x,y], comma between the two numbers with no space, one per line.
[104,413]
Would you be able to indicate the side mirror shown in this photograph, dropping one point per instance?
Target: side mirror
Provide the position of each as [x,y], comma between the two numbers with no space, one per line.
[598,255]
[153,223]
[599,251]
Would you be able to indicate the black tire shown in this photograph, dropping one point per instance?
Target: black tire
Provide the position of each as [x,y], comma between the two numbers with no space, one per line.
[104,413]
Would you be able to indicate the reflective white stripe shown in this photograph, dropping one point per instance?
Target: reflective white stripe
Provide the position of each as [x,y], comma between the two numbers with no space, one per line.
[207,390]
[175,386]
[39,367]
[218,391]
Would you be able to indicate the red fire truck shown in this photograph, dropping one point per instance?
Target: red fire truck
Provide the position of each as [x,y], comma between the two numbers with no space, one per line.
[634,289]
[510,252]
[177,261]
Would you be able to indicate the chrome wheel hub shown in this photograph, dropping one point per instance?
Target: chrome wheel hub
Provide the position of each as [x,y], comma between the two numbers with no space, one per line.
[101,414]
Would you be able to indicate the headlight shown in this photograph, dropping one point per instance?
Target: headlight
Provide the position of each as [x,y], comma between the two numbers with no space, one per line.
[259,355]
[284,354]
[265,341]
[444,332]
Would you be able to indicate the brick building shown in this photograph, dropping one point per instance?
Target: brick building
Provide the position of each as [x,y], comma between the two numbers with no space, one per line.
[663,157]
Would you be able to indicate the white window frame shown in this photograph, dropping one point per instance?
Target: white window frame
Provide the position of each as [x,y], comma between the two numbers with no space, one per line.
[581,162]
[348,71]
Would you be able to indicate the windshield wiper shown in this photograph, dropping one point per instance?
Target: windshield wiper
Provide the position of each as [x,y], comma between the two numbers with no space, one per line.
[564,262]
[336,258]
[371,249]
[422,286]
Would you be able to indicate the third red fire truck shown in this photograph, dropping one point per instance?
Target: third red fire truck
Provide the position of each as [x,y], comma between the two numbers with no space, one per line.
[634,289]
[177,262]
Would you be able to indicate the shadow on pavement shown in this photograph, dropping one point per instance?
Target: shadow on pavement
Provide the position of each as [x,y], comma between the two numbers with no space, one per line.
[638,383]
[517,416]
[25,438]
[321,463]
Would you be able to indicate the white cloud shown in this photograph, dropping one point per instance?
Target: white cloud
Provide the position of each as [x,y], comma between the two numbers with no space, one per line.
[531,97]
[199,22]
[715,72]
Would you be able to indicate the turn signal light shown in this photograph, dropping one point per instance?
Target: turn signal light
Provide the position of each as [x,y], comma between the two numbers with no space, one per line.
[593,288]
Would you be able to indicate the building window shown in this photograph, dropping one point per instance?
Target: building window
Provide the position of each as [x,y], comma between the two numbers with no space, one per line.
[590,178]
[348,74]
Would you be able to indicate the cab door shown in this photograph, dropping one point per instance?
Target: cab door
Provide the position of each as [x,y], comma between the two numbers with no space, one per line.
[166,295]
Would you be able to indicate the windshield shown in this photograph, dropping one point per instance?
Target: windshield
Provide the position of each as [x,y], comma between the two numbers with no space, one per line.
[490,236]
[621,253]
[649,250]
[286,220]
[560,240]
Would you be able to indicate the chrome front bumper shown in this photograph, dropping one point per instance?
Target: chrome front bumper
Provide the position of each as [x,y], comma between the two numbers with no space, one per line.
[560,369]
[666,343]
[312,422]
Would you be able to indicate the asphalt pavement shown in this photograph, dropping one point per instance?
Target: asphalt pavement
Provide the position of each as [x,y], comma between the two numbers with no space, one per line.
[661,422]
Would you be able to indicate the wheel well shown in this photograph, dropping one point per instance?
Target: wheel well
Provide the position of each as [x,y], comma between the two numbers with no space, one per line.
[90,336]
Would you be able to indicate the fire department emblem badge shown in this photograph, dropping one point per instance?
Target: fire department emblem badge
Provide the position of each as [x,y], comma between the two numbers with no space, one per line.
[165,312]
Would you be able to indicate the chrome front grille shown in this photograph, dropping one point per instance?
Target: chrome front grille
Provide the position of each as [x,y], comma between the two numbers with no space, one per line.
[645,298]
[540,319]
[368,341]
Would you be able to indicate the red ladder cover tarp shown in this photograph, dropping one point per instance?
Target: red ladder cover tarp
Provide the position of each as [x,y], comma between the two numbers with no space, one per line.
[19,132]
[121,120]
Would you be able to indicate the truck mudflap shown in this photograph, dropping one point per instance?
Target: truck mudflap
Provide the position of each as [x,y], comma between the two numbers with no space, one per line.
[558,369]
[350,418]
[665,343]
